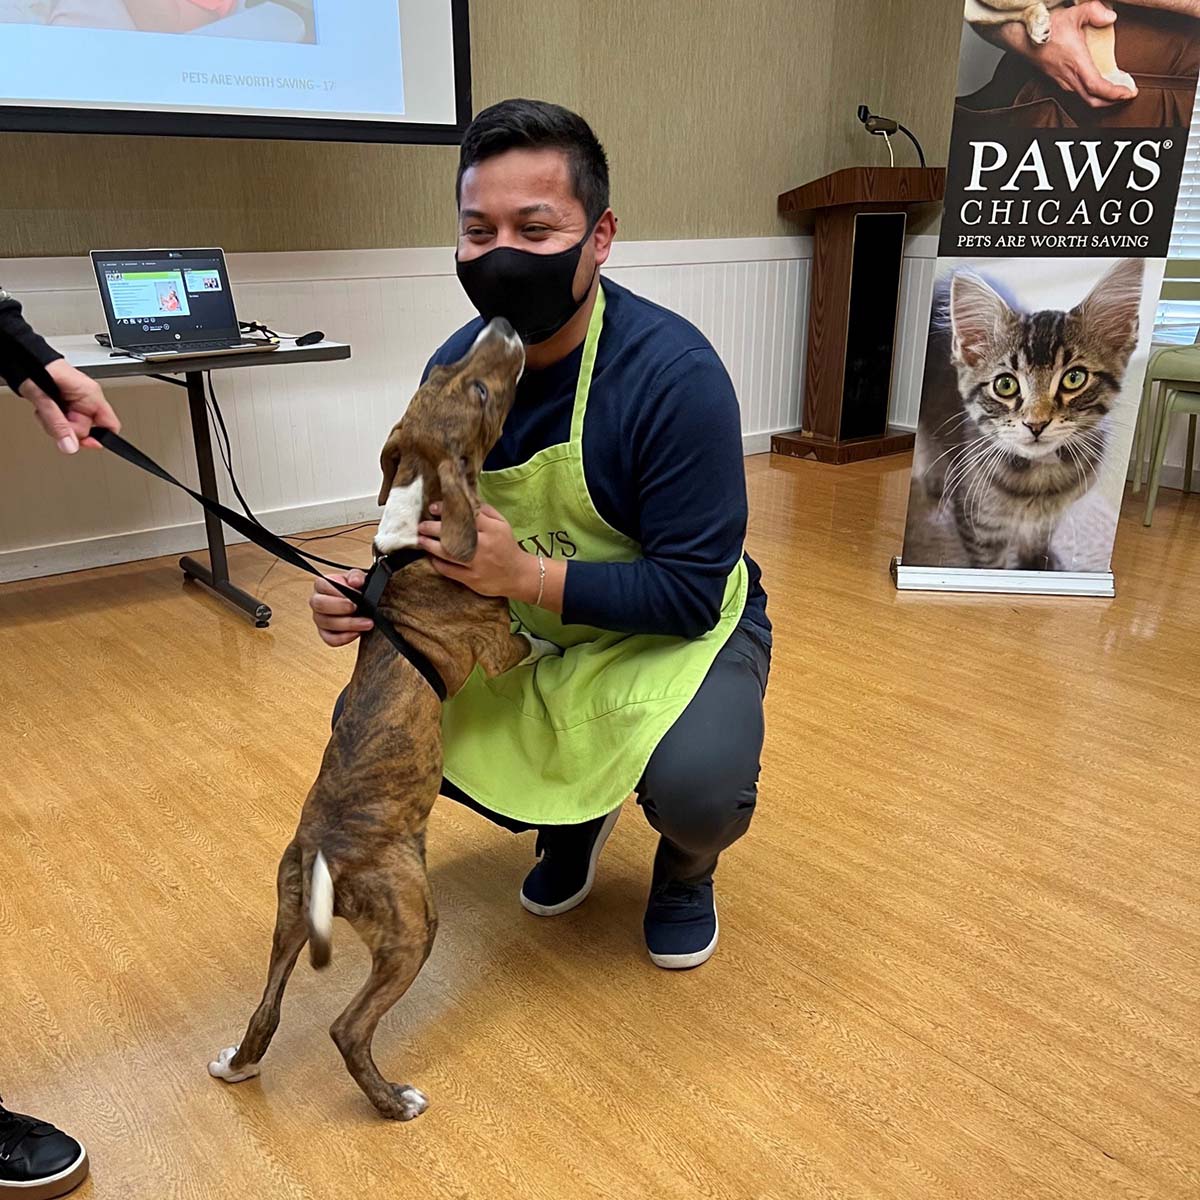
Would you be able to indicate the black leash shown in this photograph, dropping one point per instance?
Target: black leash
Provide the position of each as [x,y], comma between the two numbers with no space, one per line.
[366,602]
[223,445]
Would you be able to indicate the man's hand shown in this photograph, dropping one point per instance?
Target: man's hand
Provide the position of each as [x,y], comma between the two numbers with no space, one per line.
[333,614]
[1065,58]
[86,406]
[500,567]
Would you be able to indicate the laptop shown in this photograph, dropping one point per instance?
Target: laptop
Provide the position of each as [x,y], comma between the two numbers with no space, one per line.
[164,304]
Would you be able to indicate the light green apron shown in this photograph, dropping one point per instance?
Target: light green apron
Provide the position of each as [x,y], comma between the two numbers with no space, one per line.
[568,738]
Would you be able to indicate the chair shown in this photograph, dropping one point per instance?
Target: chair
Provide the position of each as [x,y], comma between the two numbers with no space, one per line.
[1177,400]
[1169,366]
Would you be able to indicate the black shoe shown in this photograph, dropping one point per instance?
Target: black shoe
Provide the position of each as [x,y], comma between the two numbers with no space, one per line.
[37,1161]
[566,865]
[681,924]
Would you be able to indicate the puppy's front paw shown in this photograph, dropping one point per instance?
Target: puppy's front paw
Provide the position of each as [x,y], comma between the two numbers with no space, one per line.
[539,648]
[220,1069]
[1122,79]
[407,1104]
[1037,22]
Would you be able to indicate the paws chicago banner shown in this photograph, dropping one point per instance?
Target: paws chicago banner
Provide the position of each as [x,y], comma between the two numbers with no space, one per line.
[1069,136]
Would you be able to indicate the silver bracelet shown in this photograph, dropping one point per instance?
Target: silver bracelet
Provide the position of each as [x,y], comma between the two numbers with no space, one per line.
[541,581]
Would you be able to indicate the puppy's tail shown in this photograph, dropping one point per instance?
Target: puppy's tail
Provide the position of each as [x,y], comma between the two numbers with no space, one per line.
[320,913]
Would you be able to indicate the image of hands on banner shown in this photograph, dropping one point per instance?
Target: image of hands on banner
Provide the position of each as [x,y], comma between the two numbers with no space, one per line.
[1069,136]
[1070,127]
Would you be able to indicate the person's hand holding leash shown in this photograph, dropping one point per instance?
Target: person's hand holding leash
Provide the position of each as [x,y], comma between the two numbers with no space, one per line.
[334,615]
[86,406]
[499,568]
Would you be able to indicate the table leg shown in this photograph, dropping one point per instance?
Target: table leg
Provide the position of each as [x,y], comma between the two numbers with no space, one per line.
[216,575]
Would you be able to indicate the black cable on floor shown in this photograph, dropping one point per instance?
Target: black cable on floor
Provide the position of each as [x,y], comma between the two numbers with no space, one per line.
[226,450]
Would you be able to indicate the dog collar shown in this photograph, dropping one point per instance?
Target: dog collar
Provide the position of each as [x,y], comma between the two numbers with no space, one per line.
[382,570]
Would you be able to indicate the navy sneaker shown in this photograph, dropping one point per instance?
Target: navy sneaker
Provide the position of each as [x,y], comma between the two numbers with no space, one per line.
[681,924]
[37,1161]
[566,867]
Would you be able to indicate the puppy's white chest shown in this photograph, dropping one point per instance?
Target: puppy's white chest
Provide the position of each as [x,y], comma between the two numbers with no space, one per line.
[401,515]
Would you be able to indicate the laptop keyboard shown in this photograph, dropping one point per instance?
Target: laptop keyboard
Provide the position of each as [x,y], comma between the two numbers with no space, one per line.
[194,347]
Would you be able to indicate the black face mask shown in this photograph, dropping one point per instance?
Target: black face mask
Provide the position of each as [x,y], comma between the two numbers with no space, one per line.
[532,291]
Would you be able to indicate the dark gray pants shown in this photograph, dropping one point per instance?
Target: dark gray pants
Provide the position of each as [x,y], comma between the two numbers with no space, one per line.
[701,783]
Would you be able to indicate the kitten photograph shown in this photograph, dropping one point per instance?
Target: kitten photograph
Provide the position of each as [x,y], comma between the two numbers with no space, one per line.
[1015,422]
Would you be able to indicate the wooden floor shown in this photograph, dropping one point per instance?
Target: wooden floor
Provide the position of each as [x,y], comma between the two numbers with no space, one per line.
[960,949]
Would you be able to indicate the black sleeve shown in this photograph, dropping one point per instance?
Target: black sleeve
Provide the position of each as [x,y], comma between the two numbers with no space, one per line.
[21,349]
[687,468]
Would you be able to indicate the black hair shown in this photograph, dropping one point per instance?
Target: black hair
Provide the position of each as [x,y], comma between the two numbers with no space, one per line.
[539,125]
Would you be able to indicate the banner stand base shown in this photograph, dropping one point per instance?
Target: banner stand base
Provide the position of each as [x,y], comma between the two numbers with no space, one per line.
[1018,583]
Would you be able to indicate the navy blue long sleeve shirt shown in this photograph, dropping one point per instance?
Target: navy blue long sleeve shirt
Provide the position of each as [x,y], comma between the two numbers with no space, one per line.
[662,456]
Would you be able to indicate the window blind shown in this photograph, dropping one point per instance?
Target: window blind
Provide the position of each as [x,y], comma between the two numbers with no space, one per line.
[1179,320]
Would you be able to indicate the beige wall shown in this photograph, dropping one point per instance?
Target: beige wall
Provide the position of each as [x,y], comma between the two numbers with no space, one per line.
[709,108]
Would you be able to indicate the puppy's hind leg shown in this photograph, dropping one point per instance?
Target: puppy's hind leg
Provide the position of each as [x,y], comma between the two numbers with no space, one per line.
[236,1063]
[401,936]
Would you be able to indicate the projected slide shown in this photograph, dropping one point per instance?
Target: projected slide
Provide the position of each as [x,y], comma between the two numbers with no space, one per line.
[293,58]
[278,20]
[138,295]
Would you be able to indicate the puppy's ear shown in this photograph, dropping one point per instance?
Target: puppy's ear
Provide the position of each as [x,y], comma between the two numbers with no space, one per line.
[389,460]
[459,505]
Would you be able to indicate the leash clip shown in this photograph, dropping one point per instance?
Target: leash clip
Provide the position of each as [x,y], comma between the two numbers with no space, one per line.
[378,577]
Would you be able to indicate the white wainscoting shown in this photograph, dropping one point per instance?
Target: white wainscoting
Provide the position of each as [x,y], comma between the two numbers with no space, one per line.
[306,438]
[912,329]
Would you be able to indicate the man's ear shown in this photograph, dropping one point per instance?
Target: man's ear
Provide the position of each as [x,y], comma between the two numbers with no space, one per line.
[459,505]
[389,460]
[604,235]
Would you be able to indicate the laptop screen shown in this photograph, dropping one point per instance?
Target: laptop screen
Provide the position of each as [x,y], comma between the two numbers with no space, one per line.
[165,297]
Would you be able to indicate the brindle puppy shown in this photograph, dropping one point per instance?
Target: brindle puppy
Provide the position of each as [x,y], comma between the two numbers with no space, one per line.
[359,850]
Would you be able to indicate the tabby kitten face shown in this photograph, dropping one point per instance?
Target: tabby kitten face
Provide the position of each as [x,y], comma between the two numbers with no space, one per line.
[1034,381]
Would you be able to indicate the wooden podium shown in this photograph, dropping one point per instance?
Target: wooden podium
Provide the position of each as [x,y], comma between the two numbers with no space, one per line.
[860,215]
